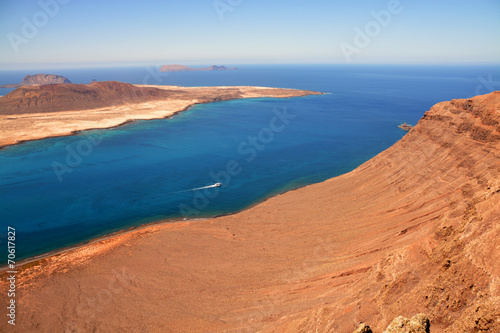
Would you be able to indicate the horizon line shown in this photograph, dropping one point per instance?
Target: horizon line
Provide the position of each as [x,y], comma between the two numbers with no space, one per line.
[19,67]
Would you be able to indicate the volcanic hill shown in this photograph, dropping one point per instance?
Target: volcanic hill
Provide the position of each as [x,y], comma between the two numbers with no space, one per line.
[70,96]
[38,79]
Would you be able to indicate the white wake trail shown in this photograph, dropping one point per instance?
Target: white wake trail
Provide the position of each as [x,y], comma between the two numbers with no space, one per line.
[203,187]
[196,188]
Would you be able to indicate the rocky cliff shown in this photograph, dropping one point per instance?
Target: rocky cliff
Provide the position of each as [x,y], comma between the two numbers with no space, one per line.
[428,210]
[38,79]
[414,230]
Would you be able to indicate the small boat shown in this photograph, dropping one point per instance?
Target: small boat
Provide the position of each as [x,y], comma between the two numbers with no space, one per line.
[217,184]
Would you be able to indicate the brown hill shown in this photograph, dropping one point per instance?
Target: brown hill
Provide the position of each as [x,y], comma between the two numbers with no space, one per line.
[38,79]
[182,68]
[414,230]
[63,97]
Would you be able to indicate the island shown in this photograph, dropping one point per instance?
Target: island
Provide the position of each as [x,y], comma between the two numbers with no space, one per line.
[37,112]
[182,68]
[415,229]
[38,79]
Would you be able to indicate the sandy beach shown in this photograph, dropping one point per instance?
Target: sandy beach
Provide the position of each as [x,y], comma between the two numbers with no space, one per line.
[398,235]
[22,126]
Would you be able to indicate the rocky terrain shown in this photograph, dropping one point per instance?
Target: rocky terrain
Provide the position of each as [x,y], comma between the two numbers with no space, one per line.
[182,68]
[414,230]
[38,79]
[419,323]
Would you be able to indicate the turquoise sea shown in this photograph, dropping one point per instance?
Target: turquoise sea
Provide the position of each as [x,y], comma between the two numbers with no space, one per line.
[64,191]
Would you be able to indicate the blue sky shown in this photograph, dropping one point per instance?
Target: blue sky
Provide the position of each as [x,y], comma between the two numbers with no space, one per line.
[124,32]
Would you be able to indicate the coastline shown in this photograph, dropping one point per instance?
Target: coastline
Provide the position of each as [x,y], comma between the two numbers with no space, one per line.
[37,126]
[144,227]
[79,131]
[117,237]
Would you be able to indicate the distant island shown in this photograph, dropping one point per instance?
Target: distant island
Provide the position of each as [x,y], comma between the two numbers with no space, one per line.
[70,107]
[182,68]
[38,79]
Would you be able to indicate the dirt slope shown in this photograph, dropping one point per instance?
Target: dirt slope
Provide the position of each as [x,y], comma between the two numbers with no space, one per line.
[414,230]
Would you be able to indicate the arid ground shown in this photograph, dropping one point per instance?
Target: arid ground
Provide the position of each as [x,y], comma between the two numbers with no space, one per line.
[415,229]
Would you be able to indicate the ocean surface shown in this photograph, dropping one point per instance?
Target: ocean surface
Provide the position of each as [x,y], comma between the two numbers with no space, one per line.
[64,191]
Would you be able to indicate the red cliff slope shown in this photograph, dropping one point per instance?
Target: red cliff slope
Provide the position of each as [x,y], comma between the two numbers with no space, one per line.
[414,230]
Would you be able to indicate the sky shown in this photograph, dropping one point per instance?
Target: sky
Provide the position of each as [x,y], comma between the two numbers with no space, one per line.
[77,33]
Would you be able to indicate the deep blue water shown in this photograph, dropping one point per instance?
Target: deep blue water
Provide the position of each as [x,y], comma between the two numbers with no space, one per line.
[114,179]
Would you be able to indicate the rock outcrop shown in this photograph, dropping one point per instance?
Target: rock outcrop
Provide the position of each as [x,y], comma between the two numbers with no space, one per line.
[363,328]
[417,324]
[405,127]
[38,79]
